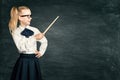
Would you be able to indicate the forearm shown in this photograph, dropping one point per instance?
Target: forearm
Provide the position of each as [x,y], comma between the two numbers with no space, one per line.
[43,46]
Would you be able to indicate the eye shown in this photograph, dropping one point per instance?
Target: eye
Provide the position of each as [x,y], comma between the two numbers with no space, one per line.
[25,15]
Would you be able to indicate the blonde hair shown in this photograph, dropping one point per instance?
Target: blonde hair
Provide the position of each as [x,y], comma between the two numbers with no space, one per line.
[14,14]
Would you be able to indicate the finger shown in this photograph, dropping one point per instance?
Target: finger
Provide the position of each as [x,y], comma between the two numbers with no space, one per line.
[42,34]
[37,56]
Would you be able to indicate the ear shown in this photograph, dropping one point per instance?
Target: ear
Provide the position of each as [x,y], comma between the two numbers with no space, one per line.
[20,18]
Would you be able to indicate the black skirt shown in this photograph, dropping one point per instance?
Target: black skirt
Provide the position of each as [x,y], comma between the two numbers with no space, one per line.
[27,67]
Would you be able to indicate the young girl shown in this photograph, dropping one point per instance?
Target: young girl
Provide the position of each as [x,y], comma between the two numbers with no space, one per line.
[25,37]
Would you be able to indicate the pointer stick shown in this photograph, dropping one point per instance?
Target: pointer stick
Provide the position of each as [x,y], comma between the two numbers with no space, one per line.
[50,25]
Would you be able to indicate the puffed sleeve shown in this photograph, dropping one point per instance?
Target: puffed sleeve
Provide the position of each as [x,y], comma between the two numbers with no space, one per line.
[21,41]
[44,44]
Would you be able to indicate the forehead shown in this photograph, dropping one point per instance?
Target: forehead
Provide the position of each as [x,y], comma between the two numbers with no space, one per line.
[25,11]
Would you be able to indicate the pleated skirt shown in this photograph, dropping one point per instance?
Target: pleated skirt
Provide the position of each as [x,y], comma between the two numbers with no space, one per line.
[27,67]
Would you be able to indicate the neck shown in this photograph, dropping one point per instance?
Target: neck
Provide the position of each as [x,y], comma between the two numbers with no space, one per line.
[23,25]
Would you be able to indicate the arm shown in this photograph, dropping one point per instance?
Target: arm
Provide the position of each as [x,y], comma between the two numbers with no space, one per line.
[44,43]
[43,46]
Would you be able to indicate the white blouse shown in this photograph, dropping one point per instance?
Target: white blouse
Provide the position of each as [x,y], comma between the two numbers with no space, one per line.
[29,45]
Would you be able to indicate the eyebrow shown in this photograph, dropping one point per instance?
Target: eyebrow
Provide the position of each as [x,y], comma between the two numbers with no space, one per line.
[25,15]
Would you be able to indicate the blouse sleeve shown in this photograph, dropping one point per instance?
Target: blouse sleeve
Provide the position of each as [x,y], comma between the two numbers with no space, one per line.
[44,44]
[21,41]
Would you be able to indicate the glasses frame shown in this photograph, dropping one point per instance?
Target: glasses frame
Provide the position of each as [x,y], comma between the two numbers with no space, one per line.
[29,16]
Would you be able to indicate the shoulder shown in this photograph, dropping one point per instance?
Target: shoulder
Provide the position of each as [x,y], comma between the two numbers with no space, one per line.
[17,30]
[31,27]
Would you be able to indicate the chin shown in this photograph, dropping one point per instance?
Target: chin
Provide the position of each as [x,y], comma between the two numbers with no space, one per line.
[28,24]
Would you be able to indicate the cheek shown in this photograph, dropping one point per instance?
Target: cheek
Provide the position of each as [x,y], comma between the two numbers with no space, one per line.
[21,19]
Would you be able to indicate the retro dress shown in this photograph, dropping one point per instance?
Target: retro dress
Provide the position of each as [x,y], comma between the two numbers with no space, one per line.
[27,66]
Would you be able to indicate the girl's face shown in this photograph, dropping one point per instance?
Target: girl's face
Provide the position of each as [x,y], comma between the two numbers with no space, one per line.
[25,17]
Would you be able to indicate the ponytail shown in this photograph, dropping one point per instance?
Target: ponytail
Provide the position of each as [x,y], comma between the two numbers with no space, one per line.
[13,19]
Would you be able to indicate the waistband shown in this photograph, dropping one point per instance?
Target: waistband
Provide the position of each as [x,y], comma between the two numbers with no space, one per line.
[27,55]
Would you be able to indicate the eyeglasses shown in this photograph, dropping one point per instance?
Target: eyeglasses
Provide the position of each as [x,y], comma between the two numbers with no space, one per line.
[26,16]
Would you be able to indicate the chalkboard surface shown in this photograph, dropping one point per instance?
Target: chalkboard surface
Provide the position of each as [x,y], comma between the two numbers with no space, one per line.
[83,43]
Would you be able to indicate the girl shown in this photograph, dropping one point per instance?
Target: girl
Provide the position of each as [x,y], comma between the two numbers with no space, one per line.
[27,66]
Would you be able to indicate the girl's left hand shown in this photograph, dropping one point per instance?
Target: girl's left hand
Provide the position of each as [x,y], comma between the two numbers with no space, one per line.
[38,55]
[39,36]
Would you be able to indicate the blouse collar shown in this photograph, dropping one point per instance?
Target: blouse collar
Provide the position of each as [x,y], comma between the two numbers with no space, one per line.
[22,28]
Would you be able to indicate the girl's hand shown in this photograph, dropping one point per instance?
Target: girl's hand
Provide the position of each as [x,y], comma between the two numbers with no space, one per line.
[39,36]
[38,55]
